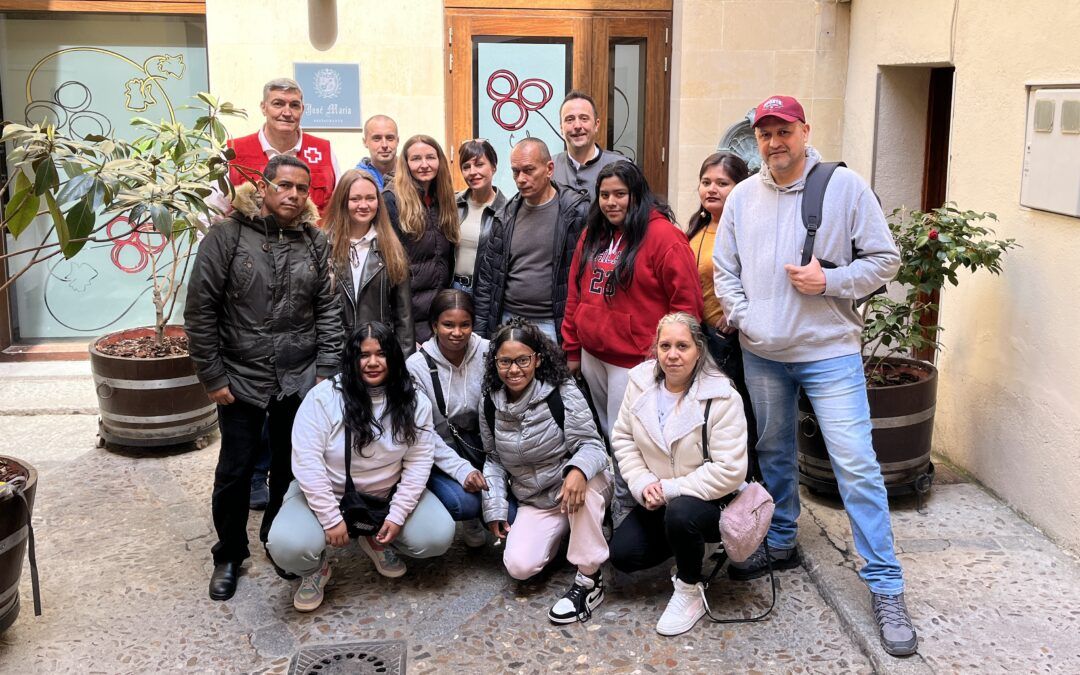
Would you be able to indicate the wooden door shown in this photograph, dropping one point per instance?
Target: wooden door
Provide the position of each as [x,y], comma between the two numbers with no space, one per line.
[508,71]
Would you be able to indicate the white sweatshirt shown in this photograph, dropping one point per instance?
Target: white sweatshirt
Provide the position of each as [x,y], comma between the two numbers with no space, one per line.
[318,456]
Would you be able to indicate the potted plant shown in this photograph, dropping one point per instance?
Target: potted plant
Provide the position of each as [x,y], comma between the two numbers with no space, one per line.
[900,340]
[155,192]
[18,484]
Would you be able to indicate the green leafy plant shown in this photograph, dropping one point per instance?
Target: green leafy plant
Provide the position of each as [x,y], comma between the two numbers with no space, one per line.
[934,245]
[158,183]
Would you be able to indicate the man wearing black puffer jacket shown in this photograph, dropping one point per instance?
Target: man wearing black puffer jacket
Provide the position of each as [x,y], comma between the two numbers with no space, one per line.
[526,261]
[263,326]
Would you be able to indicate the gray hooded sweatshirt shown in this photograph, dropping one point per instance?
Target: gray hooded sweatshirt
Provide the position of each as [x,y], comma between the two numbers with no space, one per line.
[461,388]
[761,230]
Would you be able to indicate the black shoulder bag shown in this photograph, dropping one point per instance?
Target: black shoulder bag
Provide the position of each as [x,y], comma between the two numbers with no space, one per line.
[467,443]
[364,513]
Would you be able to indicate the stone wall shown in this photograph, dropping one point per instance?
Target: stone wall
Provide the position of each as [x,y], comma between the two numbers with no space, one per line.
[252,41]
[729,55]
[1009,393]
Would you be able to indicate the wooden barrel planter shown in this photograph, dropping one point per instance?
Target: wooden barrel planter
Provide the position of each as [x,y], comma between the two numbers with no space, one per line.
[149,402]
[903,419]
[14,533]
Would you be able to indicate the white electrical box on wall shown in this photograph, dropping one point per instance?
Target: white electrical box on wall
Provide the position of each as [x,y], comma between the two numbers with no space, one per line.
[1051,177]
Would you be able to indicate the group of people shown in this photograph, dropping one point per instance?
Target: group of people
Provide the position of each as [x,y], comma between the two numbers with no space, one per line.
[544,368]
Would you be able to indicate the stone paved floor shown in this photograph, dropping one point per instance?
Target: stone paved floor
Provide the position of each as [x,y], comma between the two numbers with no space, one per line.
[123,541]
[123,551]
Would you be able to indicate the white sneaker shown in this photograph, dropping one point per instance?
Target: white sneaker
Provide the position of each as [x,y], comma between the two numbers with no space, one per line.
[309,595]
[474,533]
[686,607]
[385,558]
[579,602]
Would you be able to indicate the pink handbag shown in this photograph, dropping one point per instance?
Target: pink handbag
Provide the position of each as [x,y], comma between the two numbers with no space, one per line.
[745,521]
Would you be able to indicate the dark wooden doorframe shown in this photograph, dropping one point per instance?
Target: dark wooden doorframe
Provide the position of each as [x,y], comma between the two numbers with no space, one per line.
[936,173]
[591,31]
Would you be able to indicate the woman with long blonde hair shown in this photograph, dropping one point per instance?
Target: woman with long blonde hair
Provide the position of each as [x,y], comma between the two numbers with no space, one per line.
[423,209]
[369,263]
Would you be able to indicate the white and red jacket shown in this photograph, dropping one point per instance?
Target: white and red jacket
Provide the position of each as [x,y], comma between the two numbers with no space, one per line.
[254,151]
[618,325]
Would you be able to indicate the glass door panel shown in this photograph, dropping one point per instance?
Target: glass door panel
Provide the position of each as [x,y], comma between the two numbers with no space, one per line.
[518,85]
[626,98]
[152,66]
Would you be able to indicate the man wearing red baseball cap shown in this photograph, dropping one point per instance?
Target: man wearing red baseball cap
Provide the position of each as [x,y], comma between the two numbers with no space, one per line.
[800,329]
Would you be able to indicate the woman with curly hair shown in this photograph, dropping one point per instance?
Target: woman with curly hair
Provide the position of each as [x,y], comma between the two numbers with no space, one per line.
[542,444]
[371,270]
[373,402]
[424,211]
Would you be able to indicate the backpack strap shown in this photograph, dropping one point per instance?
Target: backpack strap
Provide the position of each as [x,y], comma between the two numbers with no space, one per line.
[553,399]
[555,405]
[489,414]
[813,202]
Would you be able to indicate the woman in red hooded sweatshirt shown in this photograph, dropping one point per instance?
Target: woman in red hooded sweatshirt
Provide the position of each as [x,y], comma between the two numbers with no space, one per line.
[631,267]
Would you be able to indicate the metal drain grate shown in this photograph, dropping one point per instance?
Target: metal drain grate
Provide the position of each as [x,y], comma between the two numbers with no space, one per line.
[359,658]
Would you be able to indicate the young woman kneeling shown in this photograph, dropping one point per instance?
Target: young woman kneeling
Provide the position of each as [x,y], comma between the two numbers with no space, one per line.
[391,456]
[657,441]
[540,437]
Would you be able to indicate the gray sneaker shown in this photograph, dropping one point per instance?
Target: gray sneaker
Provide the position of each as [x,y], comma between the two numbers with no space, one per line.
[897,634]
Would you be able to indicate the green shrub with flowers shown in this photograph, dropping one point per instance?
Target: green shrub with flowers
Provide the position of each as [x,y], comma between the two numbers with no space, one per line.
[934,245]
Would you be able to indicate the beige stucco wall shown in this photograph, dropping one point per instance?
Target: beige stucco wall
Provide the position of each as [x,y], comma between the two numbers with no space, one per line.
[402,78]
[1009,393]
[729,55]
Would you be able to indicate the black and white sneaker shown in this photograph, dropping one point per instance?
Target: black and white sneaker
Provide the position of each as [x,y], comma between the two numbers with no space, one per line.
[579,602]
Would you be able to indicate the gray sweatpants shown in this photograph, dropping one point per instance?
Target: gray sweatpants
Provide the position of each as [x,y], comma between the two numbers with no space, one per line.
[297,540]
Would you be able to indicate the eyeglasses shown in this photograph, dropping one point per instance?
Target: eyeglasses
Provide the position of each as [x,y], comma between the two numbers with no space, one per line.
[521,362]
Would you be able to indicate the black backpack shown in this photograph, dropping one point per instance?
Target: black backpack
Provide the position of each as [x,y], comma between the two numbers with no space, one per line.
[813,204]
[553,400]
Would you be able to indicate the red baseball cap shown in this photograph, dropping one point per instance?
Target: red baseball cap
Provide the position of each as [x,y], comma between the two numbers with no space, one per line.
[781,107]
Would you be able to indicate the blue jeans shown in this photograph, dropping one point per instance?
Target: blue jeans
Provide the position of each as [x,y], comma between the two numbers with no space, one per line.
[837,389]
[546,326]
[460,504]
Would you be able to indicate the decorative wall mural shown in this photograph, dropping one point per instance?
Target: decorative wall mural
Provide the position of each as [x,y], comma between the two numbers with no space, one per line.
[94,90]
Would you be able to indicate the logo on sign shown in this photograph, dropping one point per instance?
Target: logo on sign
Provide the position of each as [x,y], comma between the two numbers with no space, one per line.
[327,83]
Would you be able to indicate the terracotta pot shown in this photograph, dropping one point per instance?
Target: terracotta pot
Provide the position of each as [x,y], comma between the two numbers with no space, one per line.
[903,419]
[149,402]
[14,533]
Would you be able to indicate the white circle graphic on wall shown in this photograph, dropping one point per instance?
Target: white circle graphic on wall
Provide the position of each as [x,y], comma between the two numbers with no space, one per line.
[327,83]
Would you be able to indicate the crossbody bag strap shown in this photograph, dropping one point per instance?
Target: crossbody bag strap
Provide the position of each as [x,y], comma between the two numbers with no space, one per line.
[349,487]
[436,385]
[705,433]
[813,203]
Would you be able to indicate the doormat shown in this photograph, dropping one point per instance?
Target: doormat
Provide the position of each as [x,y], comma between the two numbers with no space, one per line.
[361,658]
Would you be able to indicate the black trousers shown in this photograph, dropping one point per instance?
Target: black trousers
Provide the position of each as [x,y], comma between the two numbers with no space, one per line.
[647,538]
[241,427]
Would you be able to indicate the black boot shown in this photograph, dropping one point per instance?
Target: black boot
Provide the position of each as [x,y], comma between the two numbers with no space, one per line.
[223,580]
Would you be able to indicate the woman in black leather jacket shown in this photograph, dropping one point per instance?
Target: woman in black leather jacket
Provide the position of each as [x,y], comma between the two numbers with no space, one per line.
[370,267]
